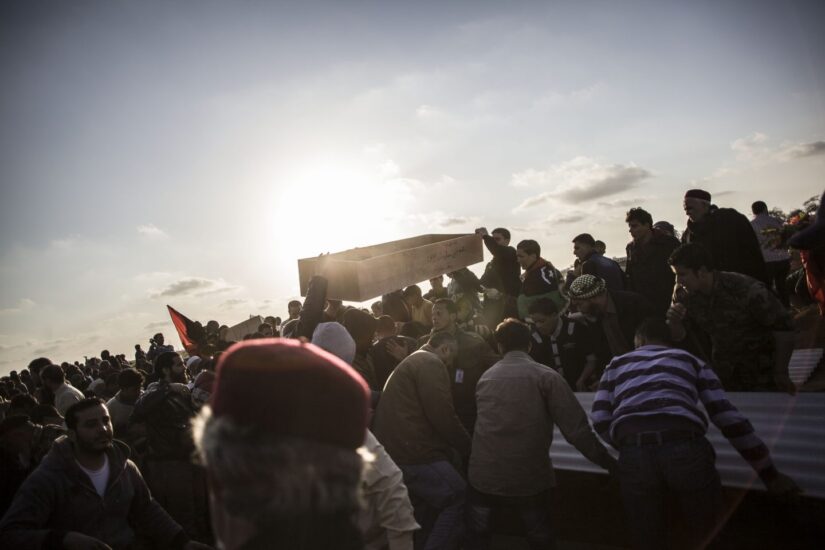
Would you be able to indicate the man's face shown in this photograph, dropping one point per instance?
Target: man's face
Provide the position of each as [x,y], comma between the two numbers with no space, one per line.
[294,310]
[415,300]
[130,395]
[178,371]
[501,239]
[525,260]
[93,433]
[696,208]
[437,282]
[159,339]
[442,318]
[267,331]
[591,306]
[688,279]
[582,250]
[638,230]
[545,324]
[448,353]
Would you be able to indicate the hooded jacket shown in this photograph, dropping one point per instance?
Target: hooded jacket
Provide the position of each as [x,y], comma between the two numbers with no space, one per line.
[59,497]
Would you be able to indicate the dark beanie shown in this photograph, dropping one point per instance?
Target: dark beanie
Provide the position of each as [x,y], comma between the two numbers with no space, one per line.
[285,387]
[698,194]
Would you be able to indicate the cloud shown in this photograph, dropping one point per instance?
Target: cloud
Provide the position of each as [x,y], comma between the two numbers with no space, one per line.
[802,150]
[580,179]
[755,148]
[54,345]
[621,203]
[534,201]
[751,146]
[426,111]
[754,151]
[570,218]
[183,287]
[217,291]
[554,99]
[453,221]
[156,325]
[438,218]
[5,348]
[193,286]
[22,305]
[232,303]
[151,231]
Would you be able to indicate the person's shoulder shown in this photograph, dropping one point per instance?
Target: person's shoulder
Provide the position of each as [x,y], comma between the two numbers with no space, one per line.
[732,281]
[469,337]
[664,240]
[730,215]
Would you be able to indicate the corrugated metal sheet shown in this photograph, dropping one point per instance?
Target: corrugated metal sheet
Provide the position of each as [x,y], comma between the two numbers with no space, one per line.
[802,364]
[793,428]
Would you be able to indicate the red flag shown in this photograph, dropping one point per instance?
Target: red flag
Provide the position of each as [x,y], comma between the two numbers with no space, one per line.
[185,327]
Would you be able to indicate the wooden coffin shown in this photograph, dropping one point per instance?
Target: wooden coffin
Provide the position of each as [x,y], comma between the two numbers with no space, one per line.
[237,332]
[361,274]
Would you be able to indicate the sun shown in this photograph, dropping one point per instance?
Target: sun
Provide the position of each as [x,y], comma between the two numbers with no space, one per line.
[329,206]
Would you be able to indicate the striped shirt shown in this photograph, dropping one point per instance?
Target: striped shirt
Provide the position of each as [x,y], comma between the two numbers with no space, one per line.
[658,380]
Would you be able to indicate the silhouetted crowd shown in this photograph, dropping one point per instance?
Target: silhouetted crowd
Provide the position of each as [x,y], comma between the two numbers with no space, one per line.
[413,423]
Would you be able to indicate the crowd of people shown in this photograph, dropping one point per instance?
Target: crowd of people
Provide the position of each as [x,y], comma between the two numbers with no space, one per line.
[413,423]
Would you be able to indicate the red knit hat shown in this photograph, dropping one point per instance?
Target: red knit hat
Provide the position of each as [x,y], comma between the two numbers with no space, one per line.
[288,388]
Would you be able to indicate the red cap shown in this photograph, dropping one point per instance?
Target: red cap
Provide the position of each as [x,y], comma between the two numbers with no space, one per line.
[288,388]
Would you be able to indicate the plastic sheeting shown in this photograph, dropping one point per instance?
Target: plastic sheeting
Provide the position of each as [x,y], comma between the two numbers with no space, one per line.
[793,428]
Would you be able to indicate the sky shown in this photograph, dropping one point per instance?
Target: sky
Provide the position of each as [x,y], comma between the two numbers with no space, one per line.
[189,152]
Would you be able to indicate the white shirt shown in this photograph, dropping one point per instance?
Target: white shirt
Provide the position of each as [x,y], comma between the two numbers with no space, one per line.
[65,397]
[99,478]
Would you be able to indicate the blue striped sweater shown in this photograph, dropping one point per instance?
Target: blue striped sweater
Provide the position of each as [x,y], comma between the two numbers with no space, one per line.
[655,380]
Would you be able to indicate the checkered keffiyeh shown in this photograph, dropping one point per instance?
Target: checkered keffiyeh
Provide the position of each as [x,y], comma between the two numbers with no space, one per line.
[586,286]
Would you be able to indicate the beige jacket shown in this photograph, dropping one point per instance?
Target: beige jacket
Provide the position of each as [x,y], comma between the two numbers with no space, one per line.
[519,401]
[386,520]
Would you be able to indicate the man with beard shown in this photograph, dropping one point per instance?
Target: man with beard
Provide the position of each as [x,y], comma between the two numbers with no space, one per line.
[726,233]
[613,315]
[87,494]
[165,410]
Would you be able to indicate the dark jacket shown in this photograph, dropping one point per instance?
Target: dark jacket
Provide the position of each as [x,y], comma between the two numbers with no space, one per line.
[630,310]
[541,280]
[648,271]
[382,362]
[606,268]
[312,311]
[731,240]
[502,272]
[58,497]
